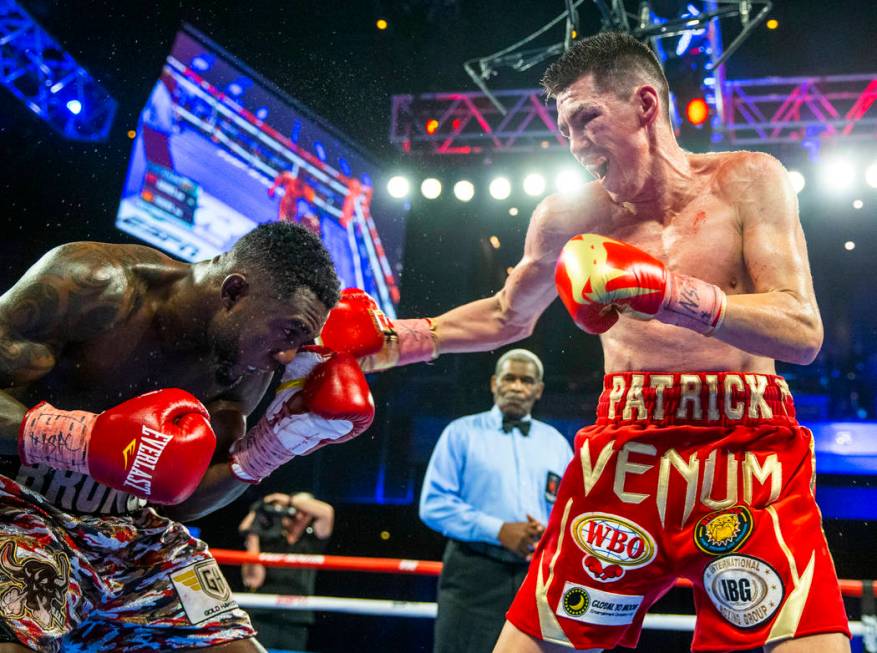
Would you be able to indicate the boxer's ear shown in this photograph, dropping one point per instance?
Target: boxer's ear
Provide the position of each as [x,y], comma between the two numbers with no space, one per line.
[233,288]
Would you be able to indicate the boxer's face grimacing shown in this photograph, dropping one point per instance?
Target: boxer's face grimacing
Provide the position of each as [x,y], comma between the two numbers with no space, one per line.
[258,331]
[516,388]
[606,135]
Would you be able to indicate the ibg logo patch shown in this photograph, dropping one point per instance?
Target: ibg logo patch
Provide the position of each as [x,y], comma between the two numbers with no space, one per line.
[724,531]
[613,545]
[746,591]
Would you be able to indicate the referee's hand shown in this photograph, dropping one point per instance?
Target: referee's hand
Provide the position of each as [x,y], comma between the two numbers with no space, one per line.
[520,537]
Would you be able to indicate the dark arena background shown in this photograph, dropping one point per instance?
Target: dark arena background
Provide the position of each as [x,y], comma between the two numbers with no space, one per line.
[173,123]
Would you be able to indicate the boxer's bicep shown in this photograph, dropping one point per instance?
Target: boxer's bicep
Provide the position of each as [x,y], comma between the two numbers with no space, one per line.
[774,248]
[511,313]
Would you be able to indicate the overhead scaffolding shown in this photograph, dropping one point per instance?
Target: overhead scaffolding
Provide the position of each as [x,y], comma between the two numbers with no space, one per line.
[766,111]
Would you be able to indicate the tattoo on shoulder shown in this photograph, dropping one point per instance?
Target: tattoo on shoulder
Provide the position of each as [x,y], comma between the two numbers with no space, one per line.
[80,291]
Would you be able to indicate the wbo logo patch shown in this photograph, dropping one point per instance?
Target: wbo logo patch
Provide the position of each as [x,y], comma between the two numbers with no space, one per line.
[612,545]
[724,531]
[746,591]
[594,606]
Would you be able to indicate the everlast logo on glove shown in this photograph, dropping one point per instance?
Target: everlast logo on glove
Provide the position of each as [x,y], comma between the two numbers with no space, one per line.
[150,446]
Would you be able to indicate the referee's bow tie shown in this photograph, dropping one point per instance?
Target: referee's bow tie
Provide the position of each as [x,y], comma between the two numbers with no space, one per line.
[509,423]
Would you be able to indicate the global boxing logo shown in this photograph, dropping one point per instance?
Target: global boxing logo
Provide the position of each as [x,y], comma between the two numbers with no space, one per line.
[612,545]
[724,531]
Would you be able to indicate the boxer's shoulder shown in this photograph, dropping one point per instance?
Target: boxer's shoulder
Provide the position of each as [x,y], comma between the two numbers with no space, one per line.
[79,289]
[737,172]
[583,210]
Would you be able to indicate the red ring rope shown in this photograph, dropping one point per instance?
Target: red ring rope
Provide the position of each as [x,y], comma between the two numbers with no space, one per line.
[851,588]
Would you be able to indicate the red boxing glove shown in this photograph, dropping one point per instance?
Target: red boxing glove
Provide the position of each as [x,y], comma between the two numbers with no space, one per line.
[322,399]
[598,278]
[156,446]
[358,327]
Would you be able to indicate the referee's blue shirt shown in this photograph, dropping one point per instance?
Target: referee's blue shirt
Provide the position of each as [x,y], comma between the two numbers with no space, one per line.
[480,477]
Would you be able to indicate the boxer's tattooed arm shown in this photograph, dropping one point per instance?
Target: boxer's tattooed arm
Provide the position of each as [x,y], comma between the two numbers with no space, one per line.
[73,293]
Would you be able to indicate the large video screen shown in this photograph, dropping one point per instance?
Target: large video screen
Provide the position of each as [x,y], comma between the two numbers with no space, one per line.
[219,150]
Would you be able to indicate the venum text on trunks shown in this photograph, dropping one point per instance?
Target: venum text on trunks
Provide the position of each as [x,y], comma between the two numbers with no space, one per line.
[745,590]
[746,472]
[612,545]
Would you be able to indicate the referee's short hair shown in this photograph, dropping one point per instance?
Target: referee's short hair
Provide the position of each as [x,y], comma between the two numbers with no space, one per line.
[522,355]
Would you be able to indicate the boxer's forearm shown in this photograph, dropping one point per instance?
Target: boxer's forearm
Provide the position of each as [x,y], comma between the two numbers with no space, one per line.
[11,414]
[777,324]
[481,325]
[218,488]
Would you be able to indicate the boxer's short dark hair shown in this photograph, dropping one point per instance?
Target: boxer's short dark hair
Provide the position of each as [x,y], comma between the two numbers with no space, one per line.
[615,59]
[292,257]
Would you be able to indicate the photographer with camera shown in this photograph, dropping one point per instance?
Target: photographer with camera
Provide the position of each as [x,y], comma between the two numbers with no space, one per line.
[284,523]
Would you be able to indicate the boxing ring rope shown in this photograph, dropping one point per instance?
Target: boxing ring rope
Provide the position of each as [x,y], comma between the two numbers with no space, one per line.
[418,609]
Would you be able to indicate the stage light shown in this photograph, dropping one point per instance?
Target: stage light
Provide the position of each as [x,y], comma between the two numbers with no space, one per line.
[494,242]
[798,181]
[849,245]
[455,124]
[385,535]
[235,89]
[202,62]
[381,24]
[534,184]
[398,187]
[838,174]
[569,181]
[74,107]
[772,23]
[858,204]
[132,134]
[513,211]
[464,190]
[500,188]
[431,188]
[262,113]
[431,126]
[871,175]
[697,111]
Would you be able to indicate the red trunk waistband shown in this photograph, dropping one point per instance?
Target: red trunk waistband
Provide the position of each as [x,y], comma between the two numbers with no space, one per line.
[697,398]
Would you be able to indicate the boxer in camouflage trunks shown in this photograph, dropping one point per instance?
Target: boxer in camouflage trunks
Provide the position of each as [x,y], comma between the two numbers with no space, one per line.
[87,562]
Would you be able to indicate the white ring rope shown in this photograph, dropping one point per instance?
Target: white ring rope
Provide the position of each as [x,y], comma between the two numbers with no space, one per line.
[426,610]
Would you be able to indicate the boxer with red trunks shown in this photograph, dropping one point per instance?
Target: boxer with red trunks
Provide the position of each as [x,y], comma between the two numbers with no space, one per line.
[139,372]
[693,269]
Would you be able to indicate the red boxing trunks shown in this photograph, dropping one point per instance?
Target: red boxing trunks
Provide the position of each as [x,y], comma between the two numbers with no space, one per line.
[703,476]
[134,583]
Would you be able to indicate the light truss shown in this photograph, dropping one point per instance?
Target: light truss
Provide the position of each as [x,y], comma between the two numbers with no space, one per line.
[40,73]
[766,111]
[806,110]
[643,25]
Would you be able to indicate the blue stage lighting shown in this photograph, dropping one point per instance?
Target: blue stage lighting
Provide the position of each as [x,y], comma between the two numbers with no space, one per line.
[262,113]
[320,150]
[202,62]
[35,62]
